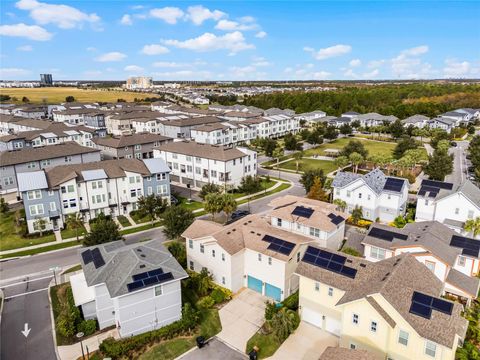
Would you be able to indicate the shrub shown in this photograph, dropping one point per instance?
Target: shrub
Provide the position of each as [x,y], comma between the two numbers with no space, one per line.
[270,309]
[218,296]
[351,251]
[88,327]
[291,302]
[227,294]
[206,302]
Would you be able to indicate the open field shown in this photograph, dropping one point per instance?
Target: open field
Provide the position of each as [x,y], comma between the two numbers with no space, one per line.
[309,164]
[55,95]
[373,147]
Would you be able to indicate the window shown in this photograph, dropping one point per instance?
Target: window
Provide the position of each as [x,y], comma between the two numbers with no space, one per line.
[149,190]
[8,180]
[158,290]
[223,280]
[461,261]
[359,195]
[192,267]
[377,253]
[53,206]
[202,248]
[213,253]
[470,214]
[368,197]
[138,147]
[314,232]
[317,286]
[430,265]
[35,194]
[131,179]
[355,319]
[68,159]
[389,196]
[337,191]
[426,202]
[279,222]
[348,193]
[259,257]
[403,337]
[298,257]
[353,346]
[46,162]
[330,291]
[457,211]
[138,155]
[430,348]
[189,158]
[198,170]
[269,261]
[373,326]
[189,168]
[94,185]
[223,257]
[36,209]
[190,244]
[31,165]
[162,189]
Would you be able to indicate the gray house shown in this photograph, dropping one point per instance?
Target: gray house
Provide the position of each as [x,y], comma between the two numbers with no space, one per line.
[133,287]
[182,128]
[34,159]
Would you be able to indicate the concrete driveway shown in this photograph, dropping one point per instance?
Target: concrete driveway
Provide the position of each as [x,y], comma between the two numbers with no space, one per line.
[306,343]
[241,318]
[214,350]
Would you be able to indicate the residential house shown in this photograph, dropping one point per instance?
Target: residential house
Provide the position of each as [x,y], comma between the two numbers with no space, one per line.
[339,353]
[143,295]
[93,118]
[311,116]
[153,124]
[10,124]
[454,259]
[391,308]
[27,160]
[226,133]
[277,111]
[181,127]
[194,164]
[460,117]
[418,121]
[351,114]
[374,119]
[450,204]
[474,114]
[238,115]
[444,123]
[112,187]
[379,196]
[340,121]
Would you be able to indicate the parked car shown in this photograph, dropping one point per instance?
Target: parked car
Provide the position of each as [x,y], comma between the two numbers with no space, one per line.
[236,215]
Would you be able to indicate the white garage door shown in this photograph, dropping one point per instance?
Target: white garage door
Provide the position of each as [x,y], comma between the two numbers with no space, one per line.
[333,326]
[312,317]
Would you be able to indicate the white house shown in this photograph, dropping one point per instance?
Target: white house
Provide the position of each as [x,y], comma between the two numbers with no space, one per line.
[145,293]
[380,196]
[453,259]
[449,204]
[311,116]
[198,164]
[444,123]
[418,121]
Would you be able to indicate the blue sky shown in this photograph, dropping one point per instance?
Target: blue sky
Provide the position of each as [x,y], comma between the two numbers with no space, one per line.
[239,40]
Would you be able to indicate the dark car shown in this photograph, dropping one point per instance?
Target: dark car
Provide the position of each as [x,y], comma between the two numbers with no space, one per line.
[236,215]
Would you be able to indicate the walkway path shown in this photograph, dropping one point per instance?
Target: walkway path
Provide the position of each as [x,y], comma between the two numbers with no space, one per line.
[73,352]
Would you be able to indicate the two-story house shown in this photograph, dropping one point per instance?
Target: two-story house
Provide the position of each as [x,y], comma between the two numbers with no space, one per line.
[379,196]
[454,259]
[391,308]
[112,187]
[143,295]
[450,204]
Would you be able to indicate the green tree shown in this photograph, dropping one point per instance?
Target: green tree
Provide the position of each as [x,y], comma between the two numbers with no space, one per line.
[315,137]
[70,98]
[443,145]
[3,206]
[298,156]
[341,161]
[74,221]
[473,226]
[396,129]
[103,230]
[179,252]
[25,99]
[209,189]
[356,159]
[40,224]
[474,152]
[345,129]
[291,142]
[250,185]
[152,205]
[229,205]
[330,133]
[399,222]
[308,177]
[437,135]
[357,214]
[284,322]
[341,205]
[354,146]
[213,204]
[405,143]
[269,146]
[316,191]
[176,220]
[351,251]
[440,164]
[277,154]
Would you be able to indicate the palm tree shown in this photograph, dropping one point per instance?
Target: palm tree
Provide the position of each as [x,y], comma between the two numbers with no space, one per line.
[277,154]
[341,205]
[357,214]
[356,159]
[284,322]
[298,156]
[229,204]
[473,226]
[213,204]
[75,222]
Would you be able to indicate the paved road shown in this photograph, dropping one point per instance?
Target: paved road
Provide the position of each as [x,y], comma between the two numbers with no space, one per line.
[26,302]
[459,163]
[215,350]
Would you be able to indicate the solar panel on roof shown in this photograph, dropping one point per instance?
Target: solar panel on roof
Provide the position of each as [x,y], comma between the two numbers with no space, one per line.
[134,285]
[155,272]
[470,246]
[164,277]
[157,277]
[335,219]
[279,245]
[442,306]
[97,258]
[87,256]
[421,310]
[438,184]
[141,276]
[423,304]
[313,251]
[393,184]
[150,281]
[386,235]
[330,261]
[302,211]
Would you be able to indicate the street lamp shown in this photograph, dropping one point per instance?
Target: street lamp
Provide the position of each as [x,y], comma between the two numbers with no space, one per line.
[54,269]
[79,336]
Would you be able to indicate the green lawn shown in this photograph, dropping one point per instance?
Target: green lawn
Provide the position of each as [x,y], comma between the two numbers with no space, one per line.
[265,186]
[10,239]
[310,164]
[141,228]
[43,249]
[192,205]
[73,269]
[167,350]
[373,147]
[267,344]
[70,233]
[123,220]
[138,218]
[282,187]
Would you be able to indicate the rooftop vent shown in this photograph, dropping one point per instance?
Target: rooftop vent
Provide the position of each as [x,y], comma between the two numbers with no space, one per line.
[139,250]
[363,265]
[142,266]
[143,255]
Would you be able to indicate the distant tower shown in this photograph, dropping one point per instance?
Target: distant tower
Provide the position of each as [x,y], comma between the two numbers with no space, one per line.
[46,80]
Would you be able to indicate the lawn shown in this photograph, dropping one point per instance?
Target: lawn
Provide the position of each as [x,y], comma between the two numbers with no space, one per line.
[310,164]
[43,249]
[267,344]
[11,239]
[374,147]
[55,95]
[265,186]
[70,233]
[167,350]
[192,205]
[140,228]
[123,220]
[138,218]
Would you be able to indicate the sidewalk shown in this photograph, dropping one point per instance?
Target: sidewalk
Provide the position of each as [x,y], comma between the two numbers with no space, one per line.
[73,352]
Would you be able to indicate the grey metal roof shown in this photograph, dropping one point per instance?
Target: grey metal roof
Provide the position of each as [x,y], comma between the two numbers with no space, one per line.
[467,188]
[415,119]
[123,261]
[375,179]
[156,166]
[34,180]
[94,174]
[343,178]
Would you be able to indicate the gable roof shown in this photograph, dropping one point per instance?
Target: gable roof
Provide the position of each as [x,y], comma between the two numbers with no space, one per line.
[206,151]
[375,179]
[467,188]
[130,140]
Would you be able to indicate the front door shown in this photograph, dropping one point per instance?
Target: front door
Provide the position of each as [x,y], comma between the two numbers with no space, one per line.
[55,224]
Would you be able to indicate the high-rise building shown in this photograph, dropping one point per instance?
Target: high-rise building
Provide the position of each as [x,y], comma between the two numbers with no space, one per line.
[46,80]
[139,82]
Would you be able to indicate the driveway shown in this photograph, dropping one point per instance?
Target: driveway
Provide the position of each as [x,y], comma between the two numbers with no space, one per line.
[306,343]
[215,350]
[241,318]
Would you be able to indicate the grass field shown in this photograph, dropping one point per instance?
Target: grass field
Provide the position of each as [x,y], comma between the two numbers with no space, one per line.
[309,164]
[55,95]
[373,147]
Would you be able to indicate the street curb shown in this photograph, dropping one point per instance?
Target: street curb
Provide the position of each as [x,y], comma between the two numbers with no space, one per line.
[53,320]
[2,295]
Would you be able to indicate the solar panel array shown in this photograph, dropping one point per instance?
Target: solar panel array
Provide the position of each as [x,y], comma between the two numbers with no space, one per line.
[393,184]
[433,187]
[422,305]
[386,235]
[148,278]
[471,247]
[94,256]
[279,245]
[336,219]
[330,261]
[302,211]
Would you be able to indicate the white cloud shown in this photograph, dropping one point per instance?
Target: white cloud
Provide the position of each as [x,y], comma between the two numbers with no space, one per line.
[261,34]
[332,51]
[234,41]
[91,48]
[372,74]
[415,51]
[375,63]
[92,73]
[13,73]
[138,7]
[126,20]
[355,62]
[25,48]
[184,75]
[166,64]
[133,68]
[154,49]
[198,14]
[455,69]
[260,62]
[111,56]
[320,75]
[408,65]
[168,14]
[349,73]
[229,25]
[64,16]
[32,32]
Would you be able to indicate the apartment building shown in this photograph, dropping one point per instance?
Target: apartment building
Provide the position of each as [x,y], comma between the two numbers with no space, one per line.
[374,119]
[196,164]
[10,124]
[112,187]
[139,82]
[145,293]
[380,196]
[132,146]
[153,122]
[391,308]
[27,160]
[450,204]
[93,118]
[226,133]
[120,122]
[443,123]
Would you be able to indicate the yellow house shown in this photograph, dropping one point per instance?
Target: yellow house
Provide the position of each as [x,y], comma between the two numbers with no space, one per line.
[390,308]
